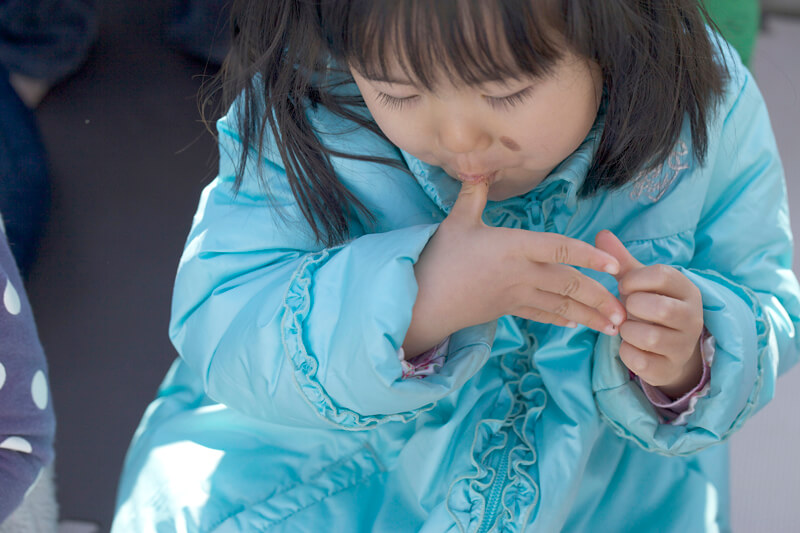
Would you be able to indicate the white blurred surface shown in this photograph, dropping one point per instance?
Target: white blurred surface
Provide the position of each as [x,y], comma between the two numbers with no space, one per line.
[765,455]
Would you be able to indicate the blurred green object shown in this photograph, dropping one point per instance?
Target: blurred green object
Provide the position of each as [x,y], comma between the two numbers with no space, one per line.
[738,20]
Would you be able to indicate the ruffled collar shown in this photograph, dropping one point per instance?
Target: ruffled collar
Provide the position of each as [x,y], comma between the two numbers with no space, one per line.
[548,207]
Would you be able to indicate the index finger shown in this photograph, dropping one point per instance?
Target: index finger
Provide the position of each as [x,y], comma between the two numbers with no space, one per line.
[659,279]
[556,248]
[471,202]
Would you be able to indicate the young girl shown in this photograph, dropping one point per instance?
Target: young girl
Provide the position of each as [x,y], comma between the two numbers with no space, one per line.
[389,311]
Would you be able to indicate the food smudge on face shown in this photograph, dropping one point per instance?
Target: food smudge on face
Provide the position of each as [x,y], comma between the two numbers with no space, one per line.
[510,144]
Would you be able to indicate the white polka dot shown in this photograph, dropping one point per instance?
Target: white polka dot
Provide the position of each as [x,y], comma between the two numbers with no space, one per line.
[39,390]
[18,444]
[2,375]
[11,299]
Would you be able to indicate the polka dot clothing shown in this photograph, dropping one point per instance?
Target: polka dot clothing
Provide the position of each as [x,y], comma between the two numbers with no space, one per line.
[27,423]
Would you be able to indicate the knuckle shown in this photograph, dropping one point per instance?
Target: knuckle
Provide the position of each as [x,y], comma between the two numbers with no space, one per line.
[562,308]
[571,286]
[561,254]
[653,339]
[664,273]
[665,310]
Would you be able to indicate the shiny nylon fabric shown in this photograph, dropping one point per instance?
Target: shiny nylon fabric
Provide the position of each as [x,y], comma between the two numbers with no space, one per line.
[288,412]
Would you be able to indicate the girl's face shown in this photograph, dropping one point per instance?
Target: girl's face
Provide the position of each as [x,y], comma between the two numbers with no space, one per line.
[513,132]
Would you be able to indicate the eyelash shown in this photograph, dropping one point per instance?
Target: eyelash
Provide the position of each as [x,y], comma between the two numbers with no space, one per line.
[393,102]
[506,102]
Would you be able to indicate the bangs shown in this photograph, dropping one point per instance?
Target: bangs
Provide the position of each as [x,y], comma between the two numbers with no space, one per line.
[463,41]
[660,68]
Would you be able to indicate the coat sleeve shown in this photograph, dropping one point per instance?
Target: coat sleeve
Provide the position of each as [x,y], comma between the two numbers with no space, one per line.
[742,265]
[284,330]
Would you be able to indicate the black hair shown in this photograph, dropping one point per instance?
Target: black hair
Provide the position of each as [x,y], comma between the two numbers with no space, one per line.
[658,61]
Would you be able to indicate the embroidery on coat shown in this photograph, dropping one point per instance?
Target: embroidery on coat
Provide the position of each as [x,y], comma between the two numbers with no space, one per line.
[657,181]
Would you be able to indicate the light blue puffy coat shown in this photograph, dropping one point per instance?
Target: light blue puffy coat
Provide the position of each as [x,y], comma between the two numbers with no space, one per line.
[287,410]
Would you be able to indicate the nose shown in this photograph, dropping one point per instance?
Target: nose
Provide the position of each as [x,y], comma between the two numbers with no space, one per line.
[462,134]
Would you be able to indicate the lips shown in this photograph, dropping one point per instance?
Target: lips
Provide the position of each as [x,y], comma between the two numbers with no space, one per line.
[477,178]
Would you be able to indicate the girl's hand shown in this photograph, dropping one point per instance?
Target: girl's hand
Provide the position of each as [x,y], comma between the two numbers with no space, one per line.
[661,337]
[470,273]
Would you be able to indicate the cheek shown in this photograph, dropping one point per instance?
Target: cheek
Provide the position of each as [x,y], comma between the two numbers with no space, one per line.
[403,128]
[562,125]
[577,124]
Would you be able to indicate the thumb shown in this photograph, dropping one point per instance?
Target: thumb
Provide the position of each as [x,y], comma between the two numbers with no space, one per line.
[609,243]
[471,202]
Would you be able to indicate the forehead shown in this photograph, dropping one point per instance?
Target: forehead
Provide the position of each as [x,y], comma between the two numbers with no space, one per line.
[460,41]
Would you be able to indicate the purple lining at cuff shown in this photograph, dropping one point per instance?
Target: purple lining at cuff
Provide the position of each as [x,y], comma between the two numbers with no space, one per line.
[677,411]
[426,363]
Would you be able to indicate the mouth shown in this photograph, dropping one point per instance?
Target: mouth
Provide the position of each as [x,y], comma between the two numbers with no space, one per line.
[477,178]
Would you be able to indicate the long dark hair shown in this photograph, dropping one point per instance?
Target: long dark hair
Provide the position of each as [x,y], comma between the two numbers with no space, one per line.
[658,61]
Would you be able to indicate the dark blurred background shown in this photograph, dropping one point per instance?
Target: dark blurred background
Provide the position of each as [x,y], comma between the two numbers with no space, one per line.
[128,158]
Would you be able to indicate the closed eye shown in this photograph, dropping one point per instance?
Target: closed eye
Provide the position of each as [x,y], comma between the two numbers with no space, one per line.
[508,102]
[393,102]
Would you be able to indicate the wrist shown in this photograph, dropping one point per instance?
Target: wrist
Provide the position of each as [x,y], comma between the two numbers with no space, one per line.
[438,312]
[690,377]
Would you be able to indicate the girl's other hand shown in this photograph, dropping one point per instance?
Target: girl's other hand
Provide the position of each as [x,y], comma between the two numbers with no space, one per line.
[661,337]
[470,273]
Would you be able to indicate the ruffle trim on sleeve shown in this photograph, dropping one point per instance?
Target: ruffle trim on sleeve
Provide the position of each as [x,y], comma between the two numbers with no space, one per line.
[763,333]
[305,364]
[625,408]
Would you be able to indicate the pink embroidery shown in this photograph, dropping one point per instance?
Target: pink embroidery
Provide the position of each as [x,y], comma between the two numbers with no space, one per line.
[653,183]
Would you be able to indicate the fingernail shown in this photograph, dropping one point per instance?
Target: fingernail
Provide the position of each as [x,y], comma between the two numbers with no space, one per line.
[611,268]
[610,330]
[572,324]
[616,318]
